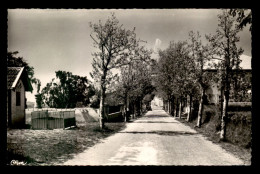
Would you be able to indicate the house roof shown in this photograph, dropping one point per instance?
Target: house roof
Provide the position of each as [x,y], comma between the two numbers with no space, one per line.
[245,63]
[13,76]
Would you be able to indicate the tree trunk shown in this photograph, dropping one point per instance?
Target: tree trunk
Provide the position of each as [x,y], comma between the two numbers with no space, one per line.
[191,106]
[134,108]
[180,108]
[223,122]
[189,103]
[141,108]
[102,101]
[224,116]
[137,105]
[175,111]
[102,113]
[227,90]
[201,105]
[172,106]
[177,107]
[221,101]
[125,107]
[125,115]
[169,110]
[169,101]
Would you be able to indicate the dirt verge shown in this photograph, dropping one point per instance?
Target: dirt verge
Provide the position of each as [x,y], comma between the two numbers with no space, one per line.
[51,147]
[213,135]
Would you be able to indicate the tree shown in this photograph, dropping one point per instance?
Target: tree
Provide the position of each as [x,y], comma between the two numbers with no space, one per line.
[163,77]
[203,61]
[134,83]
[115,47]
[38,96]
[241,86]
[185,77]
[67,90]
[175,75]
[95,98]
[142,85]
[14,61]
[243,17]
[223,43]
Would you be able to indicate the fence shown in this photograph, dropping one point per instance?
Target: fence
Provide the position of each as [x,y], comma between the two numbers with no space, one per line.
[114,117]
[52,119]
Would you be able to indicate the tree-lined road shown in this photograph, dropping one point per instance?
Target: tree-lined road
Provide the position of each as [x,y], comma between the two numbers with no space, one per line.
[155,139]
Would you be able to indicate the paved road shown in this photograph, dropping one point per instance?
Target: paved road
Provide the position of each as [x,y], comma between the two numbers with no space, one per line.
[155,139]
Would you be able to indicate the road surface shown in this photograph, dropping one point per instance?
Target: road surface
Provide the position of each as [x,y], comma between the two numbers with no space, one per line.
[155,139]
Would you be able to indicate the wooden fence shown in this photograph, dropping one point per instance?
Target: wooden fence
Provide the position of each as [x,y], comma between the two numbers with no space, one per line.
[46,119]
[114,117]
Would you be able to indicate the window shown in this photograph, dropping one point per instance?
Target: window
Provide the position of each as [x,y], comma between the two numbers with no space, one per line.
[18,98]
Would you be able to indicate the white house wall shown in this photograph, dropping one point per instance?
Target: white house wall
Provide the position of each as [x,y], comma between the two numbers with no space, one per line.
[18,112]
[213,93]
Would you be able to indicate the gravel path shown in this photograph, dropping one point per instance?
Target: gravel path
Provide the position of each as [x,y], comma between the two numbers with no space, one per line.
[155,139]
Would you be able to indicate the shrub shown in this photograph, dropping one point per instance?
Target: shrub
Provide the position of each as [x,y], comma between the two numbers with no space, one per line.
[239,128]
[208,113]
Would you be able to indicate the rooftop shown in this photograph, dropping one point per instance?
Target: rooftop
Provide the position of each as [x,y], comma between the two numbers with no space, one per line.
[13,76]
[245,63]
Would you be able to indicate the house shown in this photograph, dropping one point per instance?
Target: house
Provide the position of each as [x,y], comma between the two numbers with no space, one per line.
[17,83]
[244,75]
[213,92]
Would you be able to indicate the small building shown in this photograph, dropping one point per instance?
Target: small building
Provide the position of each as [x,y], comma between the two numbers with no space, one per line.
[244,75]
[17,83]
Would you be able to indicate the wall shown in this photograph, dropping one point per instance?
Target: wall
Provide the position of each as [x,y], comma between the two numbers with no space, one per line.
[18,112]
[213,93]
[244,91]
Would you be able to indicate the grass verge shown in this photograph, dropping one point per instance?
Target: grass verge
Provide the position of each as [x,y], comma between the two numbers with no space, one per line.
[53,147]
[207,131]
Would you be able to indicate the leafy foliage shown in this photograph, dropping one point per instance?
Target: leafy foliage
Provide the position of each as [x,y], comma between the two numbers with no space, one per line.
[243,17]
[223,43]
[67,90]
[39,100]
[116,47]
[204,61]
[135,82]
[241,86]
[14,61]
[175,74]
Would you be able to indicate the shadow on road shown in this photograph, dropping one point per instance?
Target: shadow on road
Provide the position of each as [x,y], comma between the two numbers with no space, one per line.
[155,116]
[169,133]
[155,122]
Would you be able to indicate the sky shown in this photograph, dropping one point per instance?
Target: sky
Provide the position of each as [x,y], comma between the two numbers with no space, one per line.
[59,39]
